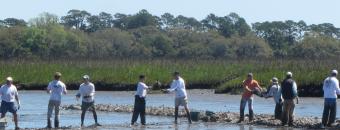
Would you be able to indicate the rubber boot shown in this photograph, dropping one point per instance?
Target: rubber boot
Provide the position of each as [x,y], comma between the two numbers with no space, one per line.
[49,123]
[189,118]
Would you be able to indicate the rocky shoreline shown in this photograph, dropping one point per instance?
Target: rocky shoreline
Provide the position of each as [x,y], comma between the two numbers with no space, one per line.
[207,116]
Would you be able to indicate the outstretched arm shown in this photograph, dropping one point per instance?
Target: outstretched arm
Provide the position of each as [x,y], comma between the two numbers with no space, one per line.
[173,86]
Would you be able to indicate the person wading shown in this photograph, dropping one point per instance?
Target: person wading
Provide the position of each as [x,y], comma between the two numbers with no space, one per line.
[275,91]
[331,90]
[56,88]
[250,85]
[178,85]
[139,106]
[289,94]
[87,92]
[9,95]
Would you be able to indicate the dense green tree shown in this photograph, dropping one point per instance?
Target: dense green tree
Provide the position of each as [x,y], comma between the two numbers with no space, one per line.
[76,19]
[316,47]
[102,36]
[11,22]
[94,23]
[325,29]
[142,18]
[106,20]
[168,20]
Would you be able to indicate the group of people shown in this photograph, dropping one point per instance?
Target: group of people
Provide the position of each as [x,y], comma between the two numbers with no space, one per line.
[57,88]
[285,97]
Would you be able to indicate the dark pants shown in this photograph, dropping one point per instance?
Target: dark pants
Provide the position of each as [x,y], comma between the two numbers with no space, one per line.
[278,111]
[139,109]
[88,106]
[243,103]
[329,112]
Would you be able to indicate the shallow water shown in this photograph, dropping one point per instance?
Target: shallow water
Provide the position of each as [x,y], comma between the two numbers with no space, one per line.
[34,108]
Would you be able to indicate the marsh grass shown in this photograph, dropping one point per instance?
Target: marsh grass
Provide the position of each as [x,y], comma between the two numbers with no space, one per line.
[219,74]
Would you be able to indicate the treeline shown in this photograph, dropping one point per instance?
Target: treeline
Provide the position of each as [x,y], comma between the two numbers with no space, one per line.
[80,34]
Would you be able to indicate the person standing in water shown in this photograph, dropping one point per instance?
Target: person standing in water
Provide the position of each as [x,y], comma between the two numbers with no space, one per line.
[139,106]
[250,85]
[9,95]
[56,88]
[275,91]
[289,94]
[331,91]
[178,85]
[87,92]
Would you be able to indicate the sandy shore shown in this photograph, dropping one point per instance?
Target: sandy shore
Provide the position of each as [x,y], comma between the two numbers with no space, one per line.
[220,117]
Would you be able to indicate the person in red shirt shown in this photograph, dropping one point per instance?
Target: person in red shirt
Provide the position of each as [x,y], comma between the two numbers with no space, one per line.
[250,85]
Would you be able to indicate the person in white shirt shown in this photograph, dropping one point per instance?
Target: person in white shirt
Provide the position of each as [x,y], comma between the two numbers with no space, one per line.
[9,95]
[275,91]
[56,88]
[87,91]
[178,85]
[331,90]
[139,106]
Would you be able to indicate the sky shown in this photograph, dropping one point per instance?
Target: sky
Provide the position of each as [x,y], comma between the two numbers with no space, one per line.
[311,11]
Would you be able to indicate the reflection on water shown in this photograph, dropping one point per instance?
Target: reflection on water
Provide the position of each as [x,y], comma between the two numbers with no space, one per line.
[34,108]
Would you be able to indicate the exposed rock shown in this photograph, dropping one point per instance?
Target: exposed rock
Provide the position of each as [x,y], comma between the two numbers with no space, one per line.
[231,117]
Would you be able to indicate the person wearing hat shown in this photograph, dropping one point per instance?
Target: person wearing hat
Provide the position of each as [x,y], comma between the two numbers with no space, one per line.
[289,94]
[56,88]
[181,98]
[9,95]
[331,90]
[87,92]
[275,91]
[139,106]
[250,86]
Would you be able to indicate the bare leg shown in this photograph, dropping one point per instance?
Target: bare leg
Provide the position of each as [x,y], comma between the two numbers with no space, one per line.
[188,113]
[15,118]
[82,117]
[176,114]
[95,116]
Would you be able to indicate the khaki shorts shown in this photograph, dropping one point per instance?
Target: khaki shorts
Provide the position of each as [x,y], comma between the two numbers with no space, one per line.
[181,101]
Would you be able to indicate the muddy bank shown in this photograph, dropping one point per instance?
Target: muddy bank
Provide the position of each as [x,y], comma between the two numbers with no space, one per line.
[207,116]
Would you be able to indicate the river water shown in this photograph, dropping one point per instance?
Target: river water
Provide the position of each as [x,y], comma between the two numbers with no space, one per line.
[34,108]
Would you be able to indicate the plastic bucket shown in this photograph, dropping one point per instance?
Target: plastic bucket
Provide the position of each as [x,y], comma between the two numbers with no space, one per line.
[195,116]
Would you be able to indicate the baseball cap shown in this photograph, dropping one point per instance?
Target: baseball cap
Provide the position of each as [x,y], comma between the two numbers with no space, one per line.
[275,80]
[86,77]
[57,74]
[334,72]
[9,79]
[289,74]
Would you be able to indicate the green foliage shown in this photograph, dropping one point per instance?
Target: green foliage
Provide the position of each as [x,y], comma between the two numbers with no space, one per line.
[317,47]
[104,36]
